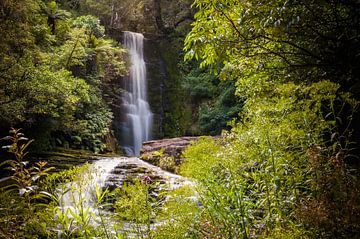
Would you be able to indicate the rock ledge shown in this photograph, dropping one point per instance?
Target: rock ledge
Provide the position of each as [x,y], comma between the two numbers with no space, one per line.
[166,153]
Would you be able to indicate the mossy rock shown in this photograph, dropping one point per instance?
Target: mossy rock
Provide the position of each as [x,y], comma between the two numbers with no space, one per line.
[62,158]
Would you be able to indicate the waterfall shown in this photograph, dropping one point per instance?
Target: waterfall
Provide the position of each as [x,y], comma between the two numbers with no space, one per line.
[138,117]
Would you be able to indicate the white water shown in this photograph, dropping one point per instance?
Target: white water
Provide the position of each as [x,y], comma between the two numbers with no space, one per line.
[79,195]
[138,120]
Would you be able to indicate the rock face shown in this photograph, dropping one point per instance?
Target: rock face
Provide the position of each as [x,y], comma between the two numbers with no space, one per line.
[166,153]
[173,147]
[155,17]
[172,115]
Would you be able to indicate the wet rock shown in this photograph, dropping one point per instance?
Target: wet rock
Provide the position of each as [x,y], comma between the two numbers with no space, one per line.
[128,170]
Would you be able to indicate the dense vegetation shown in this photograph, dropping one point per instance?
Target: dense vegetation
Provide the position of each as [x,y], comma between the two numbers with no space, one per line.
[289,168]
[213,101]
[281,76]
[57,73]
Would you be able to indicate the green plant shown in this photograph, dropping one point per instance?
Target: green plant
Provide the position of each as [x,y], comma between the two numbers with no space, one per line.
[212,100]
[254,179]
[168,163]
[137,208]
[153,157]
[57,72]
[24,176]
[76,211]
[178,215]
[21,194]
[291,154]
[82,208]
[100,205]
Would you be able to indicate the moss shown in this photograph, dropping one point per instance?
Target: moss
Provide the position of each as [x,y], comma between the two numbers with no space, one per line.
[167,96]
[153,157]
[62,158]
[162,159]
[168,163]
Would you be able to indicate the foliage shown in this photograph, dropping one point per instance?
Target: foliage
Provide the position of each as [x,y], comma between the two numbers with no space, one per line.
[288,168]
[146,16]
[169,214]
[137,207]
[80,205]
[21,196]
[261,171]
[213,100]
[56,68]
[178,215]
[265,177]
[168,163]
[248,35]
[23,177]
[214,118]
[80,209]
[54,14]
[153,157]
[161,159]
[91,25]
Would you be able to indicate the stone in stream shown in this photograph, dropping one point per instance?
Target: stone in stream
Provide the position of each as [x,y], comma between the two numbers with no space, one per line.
[130,169]
[172,146]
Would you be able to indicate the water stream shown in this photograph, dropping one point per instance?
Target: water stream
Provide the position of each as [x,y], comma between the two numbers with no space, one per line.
[81,193]
[138,117]
[111,173]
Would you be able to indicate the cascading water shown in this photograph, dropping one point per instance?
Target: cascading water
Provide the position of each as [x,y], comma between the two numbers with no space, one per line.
[81,193]
[138,117]
[80,197]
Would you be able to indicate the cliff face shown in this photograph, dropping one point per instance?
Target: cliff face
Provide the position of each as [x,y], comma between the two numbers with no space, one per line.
[150,17]
[166,95]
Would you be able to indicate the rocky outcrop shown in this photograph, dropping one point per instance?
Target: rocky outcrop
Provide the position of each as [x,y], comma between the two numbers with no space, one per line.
[128,170]
[150,17]
[173,147]
[166,153]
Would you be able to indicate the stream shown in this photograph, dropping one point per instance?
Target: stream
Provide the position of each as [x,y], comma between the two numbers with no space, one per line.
[111,173]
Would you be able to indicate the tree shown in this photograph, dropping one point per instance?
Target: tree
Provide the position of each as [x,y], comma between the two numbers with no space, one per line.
[310,39]
[51,72]
[54,14]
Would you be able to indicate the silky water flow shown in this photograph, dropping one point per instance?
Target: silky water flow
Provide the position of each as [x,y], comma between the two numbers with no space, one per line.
[138,117]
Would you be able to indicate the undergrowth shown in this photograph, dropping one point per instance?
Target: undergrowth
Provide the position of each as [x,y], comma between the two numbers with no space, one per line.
[277,174]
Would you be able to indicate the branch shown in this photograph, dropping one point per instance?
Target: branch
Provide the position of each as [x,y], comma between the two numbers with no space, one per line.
[72,52]
[293,45]
[232,24]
